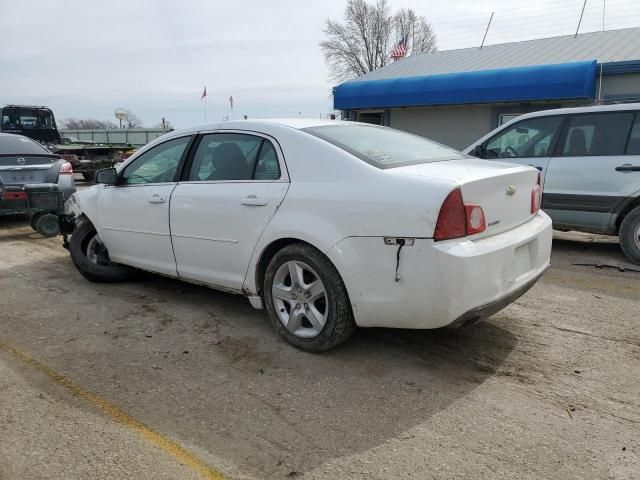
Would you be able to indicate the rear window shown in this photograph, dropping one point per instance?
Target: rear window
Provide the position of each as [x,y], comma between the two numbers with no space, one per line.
[17,144]
[384,147]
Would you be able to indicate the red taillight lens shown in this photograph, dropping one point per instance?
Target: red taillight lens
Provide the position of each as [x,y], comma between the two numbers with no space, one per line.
[14,195]
[66,169]
[536,198]
[475,219]
[457,220]
[452,220]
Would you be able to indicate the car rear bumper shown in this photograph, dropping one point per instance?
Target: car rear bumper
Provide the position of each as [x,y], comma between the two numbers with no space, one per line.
[441,283]
[31,198]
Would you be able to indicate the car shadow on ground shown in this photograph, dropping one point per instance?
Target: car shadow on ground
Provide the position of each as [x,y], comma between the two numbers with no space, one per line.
[205,368]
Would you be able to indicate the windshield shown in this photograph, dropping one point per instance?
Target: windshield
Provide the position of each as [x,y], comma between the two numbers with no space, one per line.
[17,118]
[384,147]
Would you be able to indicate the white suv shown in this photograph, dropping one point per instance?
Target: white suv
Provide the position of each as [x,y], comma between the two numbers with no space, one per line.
[589,161]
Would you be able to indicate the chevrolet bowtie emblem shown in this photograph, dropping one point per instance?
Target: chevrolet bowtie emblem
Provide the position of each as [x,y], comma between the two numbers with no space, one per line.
[511,190]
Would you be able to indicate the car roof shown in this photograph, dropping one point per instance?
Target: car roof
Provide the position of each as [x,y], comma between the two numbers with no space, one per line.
[591,109]
[296,123]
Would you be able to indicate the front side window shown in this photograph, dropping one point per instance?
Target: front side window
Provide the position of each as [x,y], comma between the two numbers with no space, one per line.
[234,156]
[529,138]
[384,147]
[158,165]
[597,134]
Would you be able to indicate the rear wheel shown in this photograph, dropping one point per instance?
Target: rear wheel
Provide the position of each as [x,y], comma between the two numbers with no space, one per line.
[46,225]
[34,218]
[306,299]
[91,257]
[630,235]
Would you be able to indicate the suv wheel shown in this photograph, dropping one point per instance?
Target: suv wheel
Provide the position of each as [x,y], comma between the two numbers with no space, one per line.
[306,299]
[630,235]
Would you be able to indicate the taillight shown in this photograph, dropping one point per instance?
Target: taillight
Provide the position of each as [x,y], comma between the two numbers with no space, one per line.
[14,195]
[457,220]
[475,219]
[66,169]
[536,197]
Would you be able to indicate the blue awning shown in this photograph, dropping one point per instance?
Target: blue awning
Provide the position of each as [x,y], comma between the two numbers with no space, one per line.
[563,81]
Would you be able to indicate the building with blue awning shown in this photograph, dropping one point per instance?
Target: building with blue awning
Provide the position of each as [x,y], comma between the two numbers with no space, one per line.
[457,96]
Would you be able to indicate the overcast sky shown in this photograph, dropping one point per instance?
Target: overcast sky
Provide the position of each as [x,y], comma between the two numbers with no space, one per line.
[84,58]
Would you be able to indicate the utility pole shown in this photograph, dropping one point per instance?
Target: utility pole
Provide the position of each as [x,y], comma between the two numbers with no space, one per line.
[486,31]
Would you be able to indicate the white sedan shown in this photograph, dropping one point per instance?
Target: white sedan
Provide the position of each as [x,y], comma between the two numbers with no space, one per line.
[328,225]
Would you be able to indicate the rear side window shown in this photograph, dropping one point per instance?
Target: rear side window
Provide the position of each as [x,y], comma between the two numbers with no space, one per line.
[384,147]
[234,156]
[17,144]
[633,146]
[597,134]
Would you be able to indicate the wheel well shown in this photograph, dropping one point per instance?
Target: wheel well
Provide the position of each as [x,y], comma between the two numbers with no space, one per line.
[633,204]
[268,253]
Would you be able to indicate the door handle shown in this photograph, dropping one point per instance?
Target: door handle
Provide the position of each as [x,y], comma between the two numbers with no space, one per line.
[157,199]
[253,201]
[627,167]
[535,166]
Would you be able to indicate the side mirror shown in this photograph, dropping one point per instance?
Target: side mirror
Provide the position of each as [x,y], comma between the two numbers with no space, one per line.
[478,151]
[107,176]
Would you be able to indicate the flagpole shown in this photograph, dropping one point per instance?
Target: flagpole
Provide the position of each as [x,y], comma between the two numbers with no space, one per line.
[205,109]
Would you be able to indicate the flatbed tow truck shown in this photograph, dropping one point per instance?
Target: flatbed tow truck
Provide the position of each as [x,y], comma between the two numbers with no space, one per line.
[38,123]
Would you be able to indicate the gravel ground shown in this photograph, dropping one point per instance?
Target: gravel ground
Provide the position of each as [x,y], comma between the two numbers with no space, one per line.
[546,389]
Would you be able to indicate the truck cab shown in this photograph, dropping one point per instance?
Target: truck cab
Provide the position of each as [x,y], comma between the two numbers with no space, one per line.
[35,122]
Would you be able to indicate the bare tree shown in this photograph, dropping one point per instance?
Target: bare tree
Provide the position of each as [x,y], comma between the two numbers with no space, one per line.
[365,39]
[132,120]
[86,124]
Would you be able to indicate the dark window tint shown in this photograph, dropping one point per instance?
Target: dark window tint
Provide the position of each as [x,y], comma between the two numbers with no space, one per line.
[231,156]
[384,147]
[633,147]
[597,134]
[157,165]
[529,138]
[10,144]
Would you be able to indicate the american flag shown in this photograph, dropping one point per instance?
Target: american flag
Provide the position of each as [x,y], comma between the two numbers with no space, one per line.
[204,94]
[231,101]
[400,50]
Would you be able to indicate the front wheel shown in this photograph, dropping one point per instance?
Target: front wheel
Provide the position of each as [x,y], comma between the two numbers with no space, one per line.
[91,257]
[630,235]
[306,299]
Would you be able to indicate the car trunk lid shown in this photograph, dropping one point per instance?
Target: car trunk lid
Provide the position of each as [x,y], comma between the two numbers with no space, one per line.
[21,169]
[502,190]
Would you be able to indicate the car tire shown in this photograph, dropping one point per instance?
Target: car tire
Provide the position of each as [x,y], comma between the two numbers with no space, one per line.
[34,218]
[312,316]
[47,225]
[95,268]
[630,235]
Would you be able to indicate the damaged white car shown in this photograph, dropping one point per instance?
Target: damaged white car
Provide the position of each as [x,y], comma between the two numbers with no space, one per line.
[328,225]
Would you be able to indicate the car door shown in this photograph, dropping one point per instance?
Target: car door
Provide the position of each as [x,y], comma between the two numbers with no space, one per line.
[590,174]
[133,216]
[231,190]
[527,142]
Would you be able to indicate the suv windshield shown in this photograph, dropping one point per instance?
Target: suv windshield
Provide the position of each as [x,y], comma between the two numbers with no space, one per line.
[384,147]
